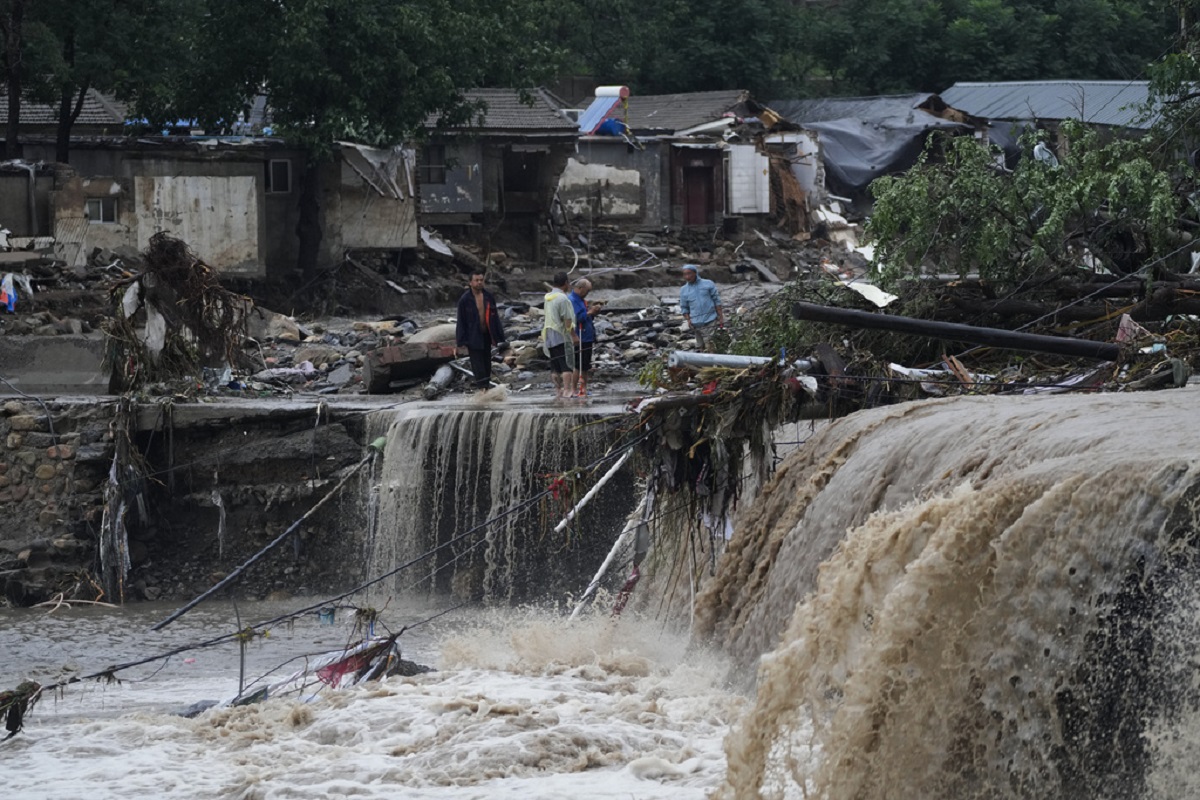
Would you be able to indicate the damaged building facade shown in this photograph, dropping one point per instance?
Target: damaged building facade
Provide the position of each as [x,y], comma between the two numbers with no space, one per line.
[701,159]
[233,200]
[494,180]
[864,138]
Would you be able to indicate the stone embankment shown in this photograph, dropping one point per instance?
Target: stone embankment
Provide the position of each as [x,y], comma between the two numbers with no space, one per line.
[53,468]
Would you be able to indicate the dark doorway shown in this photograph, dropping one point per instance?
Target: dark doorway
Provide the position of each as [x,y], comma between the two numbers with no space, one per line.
[698,195]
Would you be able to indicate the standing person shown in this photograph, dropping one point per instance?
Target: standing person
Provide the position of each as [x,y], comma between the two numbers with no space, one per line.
[479,329]
[586,330]
[701,305]
[559,337]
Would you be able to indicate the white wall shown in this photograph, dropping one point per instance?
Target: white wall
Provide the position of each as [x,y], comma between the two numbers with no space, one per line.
[617,191]
[749,180]
[216,215]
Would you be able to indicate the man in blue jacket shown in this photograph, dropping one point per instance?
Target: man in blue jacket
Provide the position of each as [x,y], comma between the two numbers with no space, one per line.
[700,304]
[479,329]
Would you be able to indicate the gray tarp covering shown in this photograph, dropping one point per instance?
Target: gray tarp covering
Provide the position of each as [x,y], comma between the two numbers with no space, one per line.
[863,138]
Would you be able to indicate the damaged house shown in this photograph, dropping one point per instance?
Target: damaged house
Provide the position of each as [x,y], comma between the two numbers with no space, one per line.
[683,160]
[232,198]
[493,182]
[863,138]
[1008,108]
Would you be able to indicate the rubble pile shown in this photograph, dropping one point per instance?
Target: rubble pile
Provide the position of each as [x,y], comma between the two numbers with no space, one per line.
[324,350]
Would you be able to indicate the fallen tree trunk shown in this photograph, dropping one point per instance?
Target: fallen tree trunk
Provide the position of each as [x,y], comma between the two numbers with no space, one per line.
[992,337]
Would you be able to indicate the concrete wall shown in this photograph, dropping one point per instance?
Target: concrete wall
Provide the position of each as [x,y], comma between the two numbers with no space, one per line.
[358,217]
[15,211]
[214,204]
[462,193]
[54,365]
[599,182]
[749,180]
[218,216]
[600,191]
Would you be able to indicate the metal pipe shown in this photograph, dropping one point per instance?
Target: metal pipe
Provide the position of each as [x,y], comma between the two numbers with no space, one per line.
[955,332]
[687,358]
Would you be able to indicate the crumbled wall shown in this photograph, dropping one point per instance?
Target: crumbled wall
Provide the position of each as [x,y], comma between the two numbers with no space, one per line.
[207,495]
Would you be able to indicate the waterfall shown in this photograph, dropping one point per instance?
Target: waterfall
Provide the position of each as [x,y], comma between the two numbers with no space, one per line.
[447,471]
[972,598]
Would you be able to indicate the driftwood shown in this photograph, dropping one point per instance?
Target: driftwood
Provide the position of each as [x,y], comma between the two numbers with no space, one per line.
[992,337]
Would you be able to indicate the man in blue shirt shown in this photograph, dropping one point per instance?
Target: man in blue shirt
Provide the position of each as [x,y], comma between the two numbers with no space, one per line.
[585,329]
[701,305]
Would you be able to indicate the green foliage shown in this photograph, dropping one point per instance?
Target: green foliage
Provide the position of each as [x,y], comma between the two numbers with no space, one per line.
[681,45]
[654,375]
[877,46]
[346,69]
[962,213]
[772,328]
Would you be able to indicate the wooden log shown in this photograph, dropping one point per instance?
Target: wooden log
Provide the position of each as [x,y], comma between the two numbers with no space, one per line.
[992,337]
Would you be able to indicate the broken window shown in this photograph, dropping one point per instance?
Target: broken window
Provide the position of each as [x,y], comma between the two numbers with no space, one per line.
[433,164]
[101,209]
[279,176]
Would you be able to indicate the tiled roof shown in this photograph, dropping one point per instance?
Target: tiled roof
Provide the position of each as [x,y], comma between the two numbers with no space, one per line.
[98,111]
[668,113]
[506,112]
[1115,103]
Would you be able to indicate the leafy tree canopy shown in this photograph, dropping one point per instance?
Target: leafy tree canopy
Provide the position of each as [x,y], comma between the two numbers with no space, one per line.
[1109,204]
[681,45]
[882,46]
[367,70]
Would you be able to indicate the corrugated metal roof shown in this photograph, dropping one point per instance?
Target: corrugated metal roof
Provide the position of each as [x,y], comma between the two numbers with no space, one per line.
[98,111]
[1115,103]
[506,112]
[823,109]
[659,113]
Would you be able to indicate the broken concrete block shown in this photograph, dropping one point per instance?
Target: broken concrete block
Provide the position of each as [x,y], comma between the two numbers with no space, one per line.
[383,365]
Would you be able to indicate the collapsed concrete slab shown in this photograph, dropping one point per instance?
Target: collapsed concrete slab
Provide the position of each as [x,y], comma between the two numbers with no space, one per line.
[53,365]
[409,360]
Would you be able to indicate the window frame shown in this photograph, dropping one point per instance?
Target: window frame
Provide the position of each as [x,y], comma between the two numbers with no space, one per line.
[101,203]
[272,188]
[431,169]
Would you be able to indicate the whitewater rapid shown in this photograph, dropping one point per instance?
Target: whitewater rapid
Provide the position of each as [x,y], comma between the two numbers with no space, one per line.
[522,705]
[981,597]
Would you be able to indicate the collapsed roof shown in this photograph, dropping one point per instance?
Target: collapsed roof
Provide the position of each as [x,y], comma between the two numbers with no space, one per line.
[863,138]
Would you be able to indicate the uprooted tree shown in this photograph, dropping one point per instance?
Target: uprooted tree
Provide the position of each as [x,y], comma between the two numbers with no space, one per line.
[172,320]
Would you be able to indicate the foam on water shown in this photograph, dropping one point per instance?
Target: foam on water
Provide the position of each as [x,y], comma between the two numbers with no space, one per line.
[525,706]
